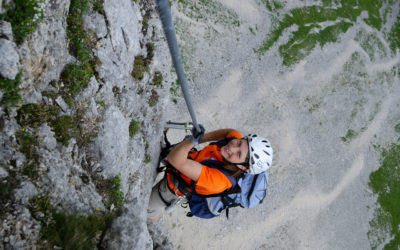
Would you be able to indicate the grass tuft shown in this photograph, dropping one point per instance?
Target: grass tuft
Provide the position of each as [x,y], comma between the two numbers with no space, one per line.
[11,89]
[28,144]
[33,115]
[80,40]
[116,195]
[134,128]
[318,25]
[158,79]
[64,128]
[140,66]
[72,230]
[24,16]
[385,182]
[397,128]
[76,77]
[153,98]
[175,91]
[349,135]
[394,35]
[68,231]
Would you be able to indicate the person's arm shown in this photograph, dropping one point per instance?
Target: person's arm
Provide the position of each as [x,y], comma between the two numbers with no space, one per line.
[178,155]
[217,135]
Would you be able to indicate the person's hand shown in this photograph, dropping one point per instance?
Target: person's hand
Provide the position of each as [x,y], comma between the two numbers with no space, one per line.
[197,136]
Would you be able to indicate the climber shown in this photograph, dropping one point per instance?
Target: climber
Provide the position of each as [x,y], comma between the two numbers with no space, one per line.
[190,174]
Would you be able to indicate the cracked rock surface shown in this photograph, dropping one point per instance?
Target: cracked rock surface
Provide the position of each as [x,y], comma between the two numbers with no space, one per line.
[73,174]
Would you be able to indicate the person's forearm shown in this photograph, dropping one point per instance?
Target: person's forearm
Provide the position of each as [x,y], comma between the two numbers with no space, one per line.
[179,153]
[217,135]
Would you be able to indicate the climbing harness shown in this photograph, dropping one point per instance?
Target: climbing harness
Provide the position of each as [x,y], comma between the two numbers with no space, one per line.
[164,11]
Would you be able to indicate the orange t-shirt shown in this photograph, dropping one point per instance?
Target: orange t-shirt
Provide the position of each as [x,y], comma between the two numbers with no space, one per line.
[211,180]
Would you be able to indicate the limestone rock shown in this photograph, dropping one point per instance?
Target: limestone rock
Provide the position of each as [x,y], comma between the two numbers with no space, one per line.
[6,30]
[44,55]
[65,183]
[105,108]
[129,231]
[9,59]
[46,137]
[160,238]
[3,173]
[112,143]
[63,105]
[26,191]
[19,230]
[117,51]
[95,22]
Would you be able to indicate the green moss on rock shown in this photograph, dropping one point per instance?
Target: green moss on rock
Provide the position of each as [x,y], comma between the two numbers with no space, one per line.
[385,182]
[24,16]
[10,88]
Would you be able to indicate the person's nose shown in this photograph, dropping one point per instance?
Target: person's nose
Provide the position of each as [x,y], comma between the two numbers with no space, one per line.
[235,148]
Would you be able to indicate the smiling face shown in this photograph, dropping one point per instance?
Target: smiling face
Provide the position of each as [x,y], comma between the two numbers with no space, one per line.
[235,151]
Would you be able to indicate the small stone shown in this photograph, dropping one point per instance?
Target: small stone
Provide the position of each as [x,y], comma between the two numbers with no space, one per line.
[3,173]
[19,244]
[42,167]
[63,105]
[6,30]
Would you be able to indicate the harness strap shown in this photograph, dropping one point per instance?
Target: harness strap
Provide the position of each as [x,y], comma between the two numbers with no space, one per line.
[182,186]
[252,187]
[178,182]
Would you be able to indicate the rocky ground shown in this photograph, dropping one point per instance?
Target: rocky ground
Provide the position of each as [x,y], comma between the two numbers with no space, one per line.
[329,107]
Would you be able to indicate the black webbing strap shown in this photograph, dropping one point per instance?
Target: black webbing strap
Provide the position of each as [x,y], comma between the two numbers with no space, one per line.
[252,187]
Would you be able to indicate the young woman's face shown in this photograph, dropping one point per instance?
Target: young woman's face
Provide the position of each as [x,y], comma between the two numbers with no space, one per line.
[235,151]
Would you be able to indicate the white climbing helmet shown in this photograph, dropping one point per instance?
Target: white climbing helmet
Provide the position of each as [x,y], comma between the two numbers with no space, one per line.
[260,153]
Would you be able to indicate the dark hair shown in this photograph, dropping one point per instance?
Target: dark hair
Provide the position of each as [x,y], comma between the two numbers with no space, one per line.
[233,170]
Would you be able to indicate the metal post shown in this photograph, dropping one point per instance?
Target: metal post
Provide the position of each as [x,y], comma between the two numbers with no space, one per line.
[164,11]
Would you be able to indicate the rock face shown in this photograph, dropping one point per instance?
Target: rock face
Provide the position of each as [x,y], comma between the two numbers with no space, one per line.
[72,173]
[9,63]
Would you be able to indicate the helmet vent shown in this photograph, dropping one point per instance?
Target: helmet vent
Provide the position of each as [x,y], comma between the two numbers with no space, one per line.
[256,155]
[266,152]
[252,161]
